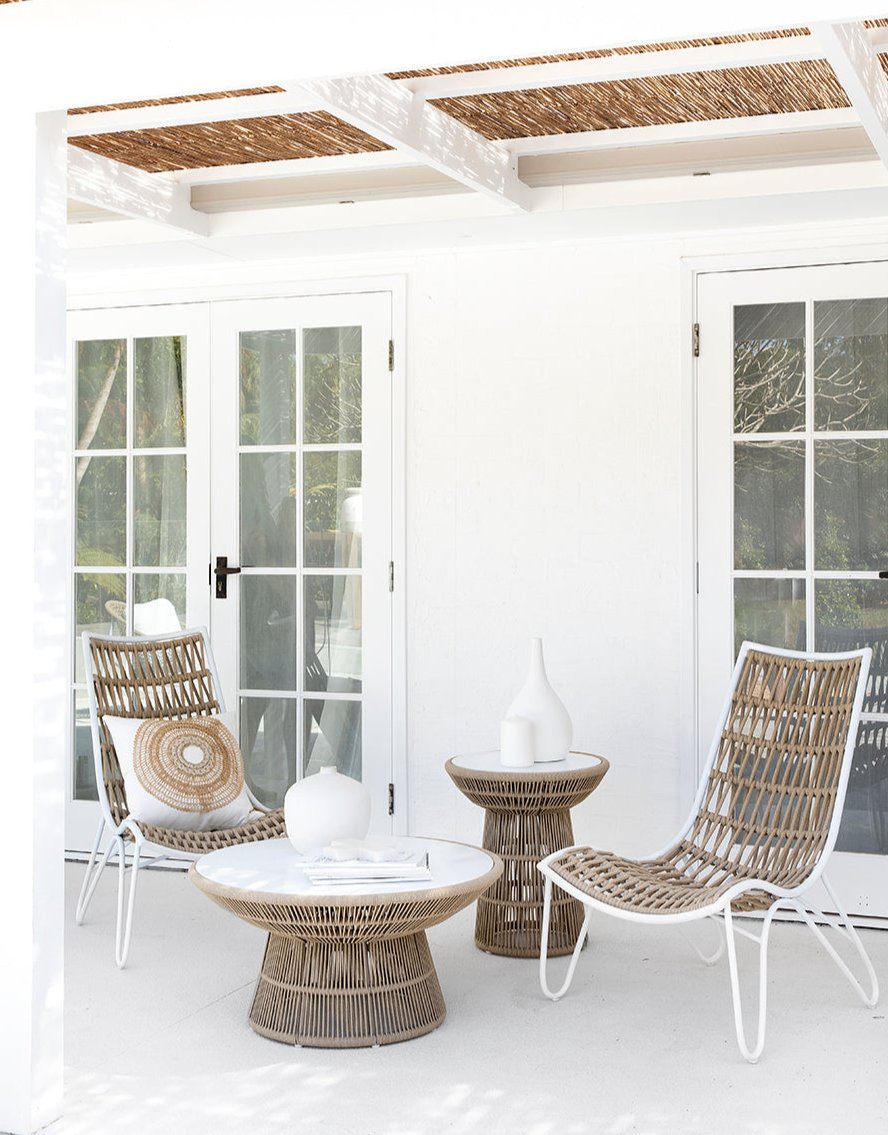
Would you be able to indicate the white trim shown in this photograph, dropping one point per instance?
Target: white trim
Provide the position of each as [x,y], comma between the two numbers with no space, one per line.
[403,817]
[293,167]
[858,68]
[118,188]
[395,116]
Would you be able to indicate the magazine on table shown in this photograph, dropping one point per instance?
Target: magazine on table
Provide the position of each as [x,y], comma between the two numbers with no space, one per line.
[357,861]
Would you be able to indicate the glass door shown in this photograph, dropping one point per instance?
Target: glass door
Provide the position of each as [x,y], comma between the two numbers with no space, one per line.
[793,505]
[140,479]
[302,536]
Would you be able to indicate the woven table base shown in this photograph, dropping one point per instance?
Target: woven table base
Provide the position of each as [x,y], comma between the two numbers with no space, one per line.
[329,994]
[510,915]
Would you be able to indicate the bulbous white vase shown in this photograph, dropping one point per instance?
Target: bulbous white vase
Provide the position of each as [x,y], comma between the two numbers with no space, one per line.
[538,702]
[324,807]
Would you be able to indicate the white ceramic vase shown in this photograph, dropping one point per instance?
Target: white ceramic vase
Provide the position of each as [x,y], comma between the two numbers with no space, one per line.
[538,702]
[324,807]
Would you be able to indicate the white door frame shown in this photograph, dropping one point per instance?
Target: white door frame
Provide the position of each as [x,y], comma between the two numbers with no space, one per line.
[855,875]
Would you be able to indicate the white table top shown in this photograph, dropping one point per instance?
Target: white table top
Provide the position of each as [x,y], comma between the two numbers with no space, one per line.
[274,867]
[490,762]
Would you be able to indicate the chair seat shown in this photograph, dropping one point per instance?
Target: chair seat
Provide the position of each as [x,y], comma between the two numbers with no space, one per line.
[270,825]
[654,887]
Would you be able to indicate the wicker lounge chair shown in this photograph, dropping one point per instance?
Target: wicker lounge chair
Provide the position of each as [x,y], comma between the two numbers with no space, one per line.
[169,676]
[762,826]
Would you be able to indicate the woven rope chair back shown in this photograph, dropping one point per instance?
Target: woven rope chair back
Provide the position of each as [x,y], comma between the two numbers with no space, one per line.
[775,783]
[170,677]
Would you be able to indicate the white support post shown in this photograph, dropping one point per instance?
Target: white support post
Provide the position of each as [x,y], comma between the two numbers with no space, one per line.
[33,580]
[850,51]
[119,188]
[393,115]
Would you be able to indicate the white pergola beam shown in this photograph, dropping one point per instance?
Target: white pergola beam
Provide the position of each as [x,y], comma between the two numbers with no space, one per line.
[710,130]
[394,115]
[856,64]
[292,167]
[106,184]
[188,113]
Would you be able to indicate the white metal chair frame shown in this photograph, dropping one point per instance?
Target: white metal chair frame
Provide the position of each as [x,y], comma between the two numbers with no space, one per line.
[720,910]
[128,830]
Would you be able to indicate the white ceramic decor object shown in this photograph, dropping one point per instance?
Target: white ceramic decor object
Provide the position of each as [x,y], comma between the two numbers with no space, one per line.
[538,702]
[327,806]
[516,742]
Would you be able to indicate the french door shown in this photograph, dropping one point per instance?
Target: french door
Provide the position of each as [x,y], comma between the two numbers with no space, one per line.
[792,388]
[232,469]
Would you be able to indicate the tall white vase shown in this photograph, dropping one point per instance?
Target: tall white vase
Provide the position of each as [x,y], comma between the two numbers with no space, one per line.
[538,702]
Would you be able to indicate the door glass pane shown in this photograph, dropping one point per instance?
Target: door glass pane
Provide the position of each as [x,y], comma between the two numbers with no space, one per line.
[851,505]
[851,364]
[333,633]
[332,357]
[769,510]
[769,367]
[101,394]
[333,509]
[268,625]
[158,603]
[268,509]
[332,736]
[268,742]
[159,392]
[101,511]
[99,608]
[852,614]
[159,502]
[84,764]
[268,388]
[770,611]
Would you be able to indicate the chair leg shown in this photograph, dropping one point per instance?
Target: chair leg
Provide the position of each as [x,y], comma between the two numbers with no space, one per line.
[750,1053]
[93,873]
[544,946]
[844,927]
[125,923]
[707,959]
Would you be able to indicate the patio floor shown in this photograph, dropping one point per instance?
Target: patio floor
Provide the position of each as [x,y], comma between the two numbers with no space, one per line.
[643,1043]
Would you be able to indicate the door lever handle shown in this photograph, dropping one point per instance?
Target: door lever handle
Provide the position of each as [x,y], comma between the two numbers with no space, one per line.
[222,571]
[883,575]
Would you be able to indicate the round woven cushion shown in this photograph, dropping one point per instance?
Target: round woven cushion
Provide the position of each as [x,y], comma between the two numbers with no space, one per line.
[194,765]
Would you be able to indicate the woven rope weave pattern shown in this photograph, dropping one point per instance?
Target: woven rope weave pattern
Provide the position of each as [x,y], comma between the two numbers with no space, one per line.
[164,767]
[768,804]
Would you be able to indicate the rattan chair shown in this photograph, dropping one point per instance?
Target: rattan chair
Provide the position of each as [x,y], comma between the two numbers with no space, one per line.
[762,827]
[169,676]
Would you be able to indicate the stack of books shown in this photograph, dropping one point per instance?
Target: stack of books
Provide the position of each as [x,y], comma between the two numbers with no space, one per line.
[353,861]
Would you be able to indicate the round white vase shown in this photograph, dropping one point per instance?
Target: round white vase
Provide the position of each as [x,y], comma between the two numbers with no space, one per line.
[324,807]
[538,702]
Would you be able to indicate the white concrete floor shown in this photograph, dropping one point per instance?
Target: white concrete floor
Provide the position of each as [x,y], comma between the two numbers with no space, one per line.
[643,1043]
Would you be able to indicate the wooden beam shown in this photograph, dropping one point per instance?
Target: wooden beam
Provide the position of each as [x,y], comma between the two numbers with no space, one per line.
[187,113]
[684,132]
[110,185]
[292,167]
[858,69]
[394,115]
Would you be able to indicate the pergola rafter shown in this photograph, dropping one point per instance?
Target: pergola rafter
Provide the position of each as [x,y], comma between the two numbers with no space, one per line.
[850,51]
[394,115]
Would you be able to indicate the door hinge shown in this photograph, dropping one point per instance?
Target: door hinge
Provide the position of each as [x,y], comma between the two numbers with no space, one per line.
[697,576]
[391,575]
[695,340]
[391,798]
[391,354]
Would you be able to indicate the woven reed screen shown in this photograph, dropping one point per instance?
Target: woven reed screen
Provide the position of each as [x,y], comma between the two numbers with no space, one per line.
[176,99]
[273,138]
[657,100]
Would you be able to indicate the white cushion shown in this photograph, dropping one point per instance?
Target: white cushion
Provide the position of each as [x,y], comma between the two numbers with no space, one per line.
[157,616]
[185,774]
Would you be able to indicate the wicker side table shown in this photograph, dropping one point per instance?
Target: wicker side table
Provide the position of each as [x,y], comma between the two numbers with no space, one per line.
[527,816]
[350,966]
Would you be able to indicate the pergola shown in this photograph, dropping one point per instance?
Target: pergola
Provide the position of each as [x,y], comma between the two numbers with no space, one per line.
[210,118]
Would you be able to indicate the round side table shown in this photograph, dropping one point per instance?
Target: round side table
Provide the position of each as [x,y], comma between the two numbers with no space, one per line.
[527,816]
[346,966]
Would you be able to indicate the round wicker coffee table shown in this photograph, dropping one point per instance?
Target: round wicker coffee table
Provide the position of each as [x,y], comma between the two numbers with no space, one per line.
[527,816]
[346,966]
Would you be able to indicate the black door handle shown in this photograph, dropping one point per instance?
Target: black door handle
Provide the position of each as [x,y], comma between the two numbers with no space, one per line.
[883,575]
[222,571]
